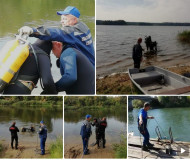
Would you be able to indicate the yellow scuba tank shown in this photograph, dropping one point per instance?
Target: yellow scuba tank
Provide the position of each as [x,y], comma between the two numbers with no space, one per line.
[12,56]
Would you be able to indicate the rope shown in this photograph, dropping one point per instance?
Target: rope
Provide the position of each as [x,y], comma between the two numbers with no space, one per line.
[160,128]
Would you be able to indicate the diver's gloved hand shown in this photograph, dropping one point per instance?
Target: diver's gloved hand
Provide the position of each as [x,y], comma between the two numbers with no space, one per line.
[25,30]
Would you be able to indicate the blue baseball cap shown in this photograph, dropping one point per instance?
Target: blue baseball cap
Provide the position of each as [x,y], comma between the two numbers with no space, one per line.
[42,122]
[70,10]
[88,116]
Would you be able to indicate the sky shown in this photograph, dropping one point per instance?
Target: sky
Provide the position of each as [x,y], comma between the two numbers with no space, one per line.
[144,10]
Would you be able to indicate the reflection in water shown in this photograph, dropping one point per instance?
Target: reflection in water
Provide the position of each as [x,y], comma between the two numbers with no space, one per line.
[117,124]
[176,118]
[24,117]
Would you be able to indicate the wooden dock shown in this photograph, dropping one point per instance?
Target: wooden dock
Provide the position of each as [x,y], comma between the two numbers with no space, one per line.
[159,149]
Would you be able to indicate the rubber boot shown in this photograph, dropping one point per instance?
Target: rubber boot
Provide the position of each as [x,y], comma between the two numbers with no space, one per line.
[150,145]
[145,148]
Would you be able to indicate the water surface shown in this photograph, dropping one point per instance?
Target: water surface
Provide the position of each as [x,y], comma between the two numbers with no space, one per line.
[117,124]
[176,118]
[114,47]
[26,117]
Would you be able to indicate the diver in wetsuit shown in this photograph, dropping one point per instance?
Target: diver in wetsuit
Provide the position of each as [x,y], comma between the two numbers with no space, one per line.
[28,75]
[13,129]
[103,125]
[96,123]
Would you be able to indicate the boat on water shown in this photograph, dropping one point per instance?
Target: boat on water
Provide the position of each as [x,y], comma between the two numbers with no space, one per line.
[154,80]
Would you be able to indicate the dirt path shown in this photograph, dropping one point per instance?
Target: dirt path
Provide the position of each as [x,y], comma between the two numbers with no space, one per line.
[75,151]
[25,150]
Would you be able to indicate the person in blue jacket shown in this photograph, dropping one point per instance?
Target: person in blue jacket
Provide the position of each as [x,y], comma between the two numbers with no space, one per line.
[76,37]
[43,136]
[142,126]
[86,133]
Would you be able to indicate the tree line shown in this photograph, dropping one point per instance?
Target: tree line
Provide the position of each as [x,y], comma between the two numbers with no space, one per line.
[165,102]
[94,102]
[31,100]
[122,22]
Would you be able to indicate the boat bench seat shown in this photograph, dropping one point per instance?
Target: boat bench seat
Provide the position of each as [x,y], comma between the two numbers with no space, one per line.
[146,76]
[177,91]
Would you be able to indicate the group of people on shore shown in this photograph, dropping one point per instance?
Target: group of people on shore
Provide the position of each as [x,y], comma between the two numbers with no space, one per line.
[86,132]
[72,45]
[42,135]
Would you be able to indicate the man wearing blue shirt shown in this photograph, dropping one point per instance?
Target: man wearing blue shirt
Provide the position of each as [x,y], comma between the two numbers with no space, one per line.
[76,45]
[142,126]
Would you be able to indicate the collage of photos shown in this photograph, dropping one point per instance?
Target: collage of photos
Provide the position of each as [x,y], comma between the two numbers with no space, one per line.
[94,79]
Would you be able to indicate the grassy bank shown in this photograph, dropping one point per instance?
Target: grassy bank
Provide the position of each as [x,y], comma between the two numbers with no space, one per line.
[121,84]
[184,37]
[116,84]
[121,149]
[56,148]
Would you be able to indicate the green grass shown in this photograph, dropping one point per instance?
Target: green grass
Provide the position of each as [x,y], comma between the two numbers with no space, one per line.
[56,148]
[121,149]
[184,36]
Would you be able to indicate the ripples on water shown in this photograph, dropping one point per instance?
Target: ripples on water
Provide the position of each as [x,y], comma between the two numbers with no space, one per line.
[114,47]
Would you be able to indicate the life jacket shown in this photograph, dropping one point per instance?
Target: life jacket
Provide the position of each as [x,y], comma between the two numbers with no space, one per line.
[12,56]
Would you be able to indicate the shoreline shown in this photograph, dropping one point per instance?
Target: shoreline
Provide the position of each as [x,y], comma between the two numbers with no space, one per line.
[75,151]
[120,83]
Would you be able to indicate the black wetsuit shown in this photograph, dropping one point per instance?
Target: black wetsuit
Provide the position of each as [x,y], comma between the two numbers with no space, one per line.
[103,125]
[137,55]
[29,71]
[78,73]
[97,125]
[13,129]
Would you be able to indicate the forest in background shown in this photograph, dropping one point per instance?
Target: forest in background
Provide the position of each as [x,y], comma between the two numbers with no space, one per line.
[32,101]
[94,102]
[165,102]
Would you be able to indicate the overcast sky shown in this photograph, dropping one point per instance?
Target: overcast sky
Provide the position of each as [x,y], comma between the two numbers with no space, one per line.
[144,10]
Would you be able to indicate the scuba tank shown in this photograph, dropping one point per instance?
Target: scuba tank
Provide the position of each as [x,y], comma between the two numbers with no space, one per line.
[12,56]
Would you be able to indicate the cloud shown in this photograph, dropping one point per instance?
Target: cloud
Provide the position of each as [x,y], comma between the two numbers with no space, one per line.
[144,10]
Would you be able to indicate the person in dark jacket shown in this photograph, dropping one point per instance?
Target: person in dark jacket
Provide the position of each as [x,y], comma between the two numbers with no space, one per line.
[13,129]
[86,133]
[43,136]
[137,53]
[96,123]
[103,125]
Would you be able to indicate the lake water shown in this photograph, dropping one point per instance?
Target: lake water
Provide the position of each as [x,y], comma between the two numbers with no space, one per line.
[114,47]
[117,124]
[24,117]
[176,118]
[15,14]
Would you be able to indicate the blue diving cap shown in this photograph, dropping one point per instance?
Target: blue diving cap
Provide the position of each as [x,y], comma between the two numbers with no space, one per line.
[42,122]
[70,10]
[88,116]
